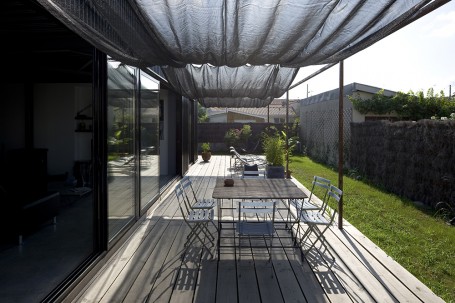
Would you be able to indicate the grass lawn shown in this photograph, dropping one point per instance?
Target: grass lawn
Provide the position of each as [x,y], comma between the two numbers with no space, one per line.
[413,236]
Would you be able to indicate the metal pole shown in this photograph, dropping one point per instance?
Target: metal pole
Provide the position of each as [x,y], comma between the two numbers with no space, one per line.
[287,133]
[340,144]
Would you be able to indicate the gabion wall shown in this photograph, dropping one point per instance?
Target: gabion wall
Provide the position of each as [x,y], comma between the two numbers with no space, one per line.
[319,133]
[412,159]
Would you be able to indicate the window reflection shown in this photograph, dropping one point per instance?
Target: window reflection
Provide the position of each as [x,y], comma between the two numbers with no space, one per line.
[121,140]
[149,122]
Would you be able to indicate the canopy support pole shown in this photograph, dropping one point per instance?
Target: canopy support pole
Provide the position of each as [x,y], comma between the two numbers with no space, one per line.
[340,143]
[324,68]
[287,135]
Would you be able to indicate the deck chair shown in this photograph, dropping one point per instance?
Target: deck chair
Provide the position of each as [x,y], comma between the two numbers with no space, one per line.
[197,220]
[241,160]
[256,220]
[323,217]
[194,201]
[319,184]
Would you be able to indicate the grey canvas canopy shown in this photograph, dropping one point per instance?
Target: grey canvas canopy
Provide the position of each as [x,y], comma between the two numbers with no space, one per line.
[285,33]
[244,86]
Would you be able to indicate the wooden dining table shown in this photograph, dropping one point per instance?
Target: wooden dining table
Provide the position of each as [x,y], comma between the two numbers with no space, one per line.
[260,188]
[246,189]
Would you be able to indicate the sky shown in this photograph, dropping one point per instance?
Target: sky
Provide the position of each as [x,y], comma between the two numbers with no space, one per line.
[417,57]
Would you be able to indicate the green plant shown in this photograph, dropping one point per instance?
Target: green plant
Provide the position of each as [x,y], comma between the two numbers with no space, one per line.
[414,237]
[245,134]
[446,211]
[202,114]
[205,147]
[273,146]
[232,136]
[410,106]
[292,144]
[235,136]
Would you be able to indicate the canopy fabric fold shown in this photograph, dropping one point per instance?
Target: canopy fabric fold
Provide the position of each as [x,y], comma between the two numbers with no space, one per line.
[233,36]
[292,33]
[238,102]
[244,86]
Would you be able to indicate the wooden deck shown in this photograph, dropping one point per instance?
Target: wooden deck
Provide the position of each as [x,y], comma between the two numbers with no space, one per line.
[148,267]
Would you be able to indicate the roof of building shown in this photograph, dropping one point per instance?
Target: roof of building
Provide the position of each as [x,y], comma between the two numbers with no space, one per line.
[348,90]
[276,108]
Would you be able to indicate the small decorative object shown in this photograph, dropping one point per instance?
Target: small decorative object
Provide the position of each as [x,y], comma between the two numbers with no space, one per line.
[206,153]
[228,182]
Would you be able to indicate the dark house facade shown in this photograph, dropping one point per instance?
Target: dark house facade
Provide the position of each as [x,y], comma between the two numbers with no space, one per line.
[87,146]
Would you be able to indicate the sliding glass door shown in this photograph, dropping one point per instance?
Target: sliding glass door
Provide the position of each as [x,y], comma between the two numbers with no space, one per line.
[121,174]
[149,140]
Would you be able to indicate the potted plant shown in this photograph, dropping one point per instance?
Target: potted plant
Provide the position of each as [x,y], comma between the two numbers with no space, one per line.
[273,146]
[206,152]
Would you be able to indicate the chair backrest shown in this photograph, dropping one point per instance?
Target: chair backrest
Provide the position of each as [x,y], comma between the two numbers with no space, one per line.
[252,171]
[333,193]
[319,182]
[188,190]
[257,208]
[182,200]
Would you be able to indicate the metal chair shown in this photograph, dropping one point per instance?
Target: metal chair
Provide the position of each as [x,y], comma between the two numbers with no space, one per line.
[253,172]
[241,160]
[197,220]
[323,217]
[194,201]
[256,219]
[319,185]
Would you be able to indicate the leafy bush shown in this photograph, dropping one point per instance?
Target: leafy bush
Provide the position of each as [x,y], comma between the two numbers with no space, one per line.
[205,147]
[410,106]
[273,146]
[235,136]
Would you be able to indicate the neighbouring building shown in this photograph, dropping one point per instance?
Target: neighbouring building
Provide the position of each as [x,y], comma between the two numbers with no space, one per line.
[319,121]
[274,113]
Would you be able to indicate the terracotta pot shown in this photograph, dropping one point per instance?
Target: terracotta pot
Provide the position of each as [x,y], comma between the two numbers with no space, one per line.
[206,156]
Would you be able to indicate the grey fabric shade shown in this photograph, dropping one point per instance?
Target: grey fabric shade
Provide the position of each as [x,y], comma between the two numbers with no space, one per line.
[244,86]
[288,33]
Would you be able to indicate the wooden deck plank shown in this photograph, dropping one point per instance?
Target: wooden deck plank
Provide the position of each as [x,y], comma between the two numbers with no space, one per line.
[420,290]
[269,287]
[155,283]
[284,272]
[246,275]
[226,288]
[206,283]
[136,266]
[304,275]
[360,272]
[148,268]
[97,290]
[391,286]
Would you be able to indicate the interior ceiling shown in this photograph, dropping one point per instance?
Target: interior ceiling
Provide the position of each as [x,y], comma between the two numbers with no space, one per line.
[37,46]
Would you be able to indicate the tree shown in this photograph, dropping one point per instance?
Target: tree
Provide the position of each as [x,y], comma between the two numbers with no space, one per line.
[201,113]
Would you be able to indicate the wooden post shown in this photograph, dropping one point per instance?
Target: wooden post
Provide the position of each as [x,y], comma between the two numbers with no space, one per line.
[340,144]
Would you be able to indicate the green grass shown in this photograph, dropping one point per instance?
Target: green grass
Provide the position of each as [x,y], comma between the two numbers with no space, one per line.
[421,242]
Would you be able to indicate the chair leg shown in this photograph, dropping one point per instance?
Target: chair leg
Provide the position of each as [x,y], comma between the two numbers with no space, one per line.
[320,237]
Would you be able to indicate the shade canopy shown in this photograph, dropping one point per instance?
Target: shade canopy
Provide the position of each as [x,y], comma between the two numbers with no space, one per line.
[244,86]
[282,33]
